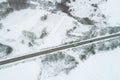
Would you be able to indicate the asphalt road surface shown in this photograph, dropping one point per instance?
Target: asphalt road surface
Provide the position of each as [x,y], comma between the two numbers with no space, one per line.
[57,48]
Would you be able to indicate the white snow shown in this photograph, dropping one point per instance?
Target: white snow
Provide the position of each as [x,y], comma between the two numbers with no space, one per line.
[30,20]
[2,1]
[24,71]
[102,66]
[112,11]
[17,22]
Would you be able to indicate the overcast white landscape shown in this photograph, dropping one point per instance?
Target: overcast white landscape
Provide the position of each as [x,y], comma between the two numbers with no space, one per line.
[29,26]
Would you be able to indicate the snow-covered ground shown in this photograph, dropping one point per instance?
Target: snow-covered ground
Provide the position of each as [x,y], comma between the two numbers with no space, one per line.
[103,66]
[24,71]
[2,1]
[30,20]
[112,11]
[30,30]
[22,29]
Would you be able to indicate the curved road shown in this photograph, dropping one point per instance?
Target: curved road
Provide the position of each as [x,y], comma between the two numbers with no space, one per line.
[57,48]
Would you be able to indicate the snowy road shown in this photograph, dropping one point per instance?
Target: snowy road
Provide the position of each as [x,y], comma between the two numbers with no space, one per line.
[57,48]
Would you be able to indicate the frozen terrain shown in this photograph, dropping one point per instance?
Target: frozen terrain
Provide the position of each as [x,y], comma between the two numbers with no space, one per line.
[103,66]
[30,26]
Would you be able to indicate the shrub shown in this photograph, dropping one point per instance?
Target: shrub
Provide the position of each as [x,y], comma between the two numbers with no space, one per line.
[1,26]
[5,50]
[53,64]
[44,33]
[44,17]
[4,13]
[30,35]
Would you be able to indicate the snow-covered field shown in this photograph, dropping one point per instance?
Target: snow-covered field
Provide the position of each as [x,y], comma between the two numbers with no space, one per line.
[111,10]
[33,29]
[103,66]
